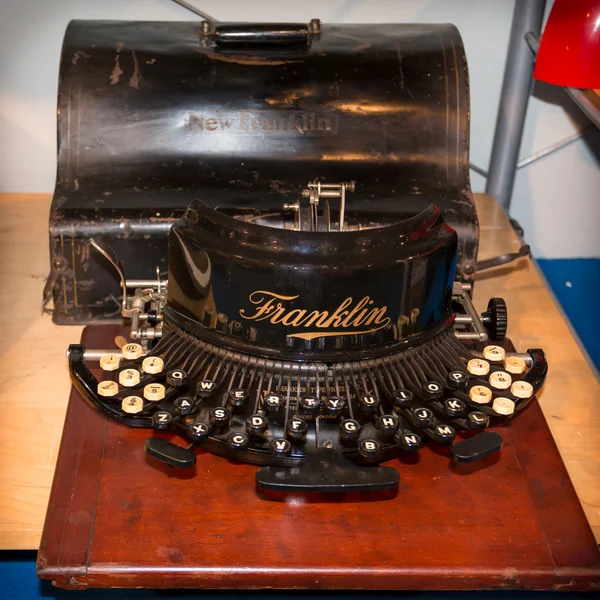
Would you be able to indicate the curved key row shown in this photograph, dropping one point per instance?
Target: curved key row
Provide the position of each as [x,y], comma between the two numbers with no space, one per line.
[279,413]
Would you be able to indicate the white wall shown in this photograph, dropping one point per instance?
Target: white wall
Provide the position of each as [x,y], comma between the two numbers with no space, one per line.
[556,200]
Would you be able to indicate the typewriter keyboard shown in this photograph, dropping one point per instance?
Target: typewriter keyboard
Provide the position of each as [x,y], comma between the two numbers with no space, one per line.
[278,413]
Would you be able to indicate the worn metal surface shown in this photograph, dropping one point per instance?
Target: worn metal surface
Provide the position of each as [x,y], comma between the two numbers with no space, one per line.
[149,119]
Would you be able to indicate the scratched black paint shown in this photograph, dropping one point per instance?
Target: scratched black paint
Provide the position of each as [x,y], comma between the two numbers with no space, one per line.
[385,105]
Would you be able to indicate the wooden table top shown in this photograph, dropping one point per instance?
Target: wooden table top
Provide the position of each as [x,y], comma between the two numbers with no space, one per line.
[36,383]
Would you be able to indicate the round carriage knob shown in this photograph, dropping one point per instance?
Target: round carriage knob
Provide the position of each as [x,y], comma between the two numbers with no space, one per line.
[495,318]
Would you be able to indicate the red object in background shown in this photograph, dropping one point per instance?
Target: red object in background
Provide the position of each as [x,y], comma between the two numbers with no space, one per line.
[569,52]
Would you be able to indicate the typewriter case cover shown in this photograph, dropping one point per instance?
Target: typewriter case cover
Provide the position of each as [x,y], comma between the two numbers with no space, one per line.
[152,117]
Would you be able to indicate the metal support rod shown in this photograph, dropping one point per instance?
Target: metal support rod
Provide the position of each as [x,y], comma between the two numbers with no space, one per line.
[527,16]
[195,10]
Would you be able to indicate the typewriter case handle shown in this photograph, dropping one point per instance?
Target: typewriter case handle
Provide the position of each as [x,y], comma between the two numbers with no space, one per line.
[261,34]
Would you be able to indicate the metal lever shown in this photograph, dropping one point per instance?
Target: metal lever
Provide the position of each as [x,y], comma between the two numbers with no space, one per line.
[496,261]
[115,263]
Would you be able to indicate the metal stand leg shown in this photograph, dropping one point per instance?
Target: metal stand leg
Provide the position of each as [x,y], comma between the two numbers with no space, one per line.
[527,16]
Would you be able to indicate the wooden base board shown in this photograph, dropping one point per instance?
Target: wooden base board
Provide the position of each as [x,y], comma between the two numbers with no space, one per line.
[119,518]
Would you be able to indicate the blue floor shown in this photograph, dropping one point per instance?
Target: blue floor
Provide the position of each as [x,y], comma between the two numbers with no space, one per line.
[576,283]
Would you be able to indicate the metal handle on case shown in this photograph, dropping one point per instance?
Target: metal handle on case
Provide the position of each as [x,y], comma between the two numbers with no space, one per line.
[240,35]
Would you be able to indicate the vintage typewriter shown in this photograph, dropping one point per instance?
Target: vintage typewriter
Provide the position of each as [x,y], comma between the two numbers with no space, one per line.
[282,215]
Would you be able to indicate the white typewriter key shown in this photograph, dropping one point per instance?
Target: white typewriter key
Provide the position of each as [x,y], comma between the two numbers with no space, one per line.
[476,366]
[109,362]
[500,380]
[108,388]
[504,406]
[515,365]
[129,377]
[480,394]
[132,405]
[154,391]
[521,389]
[132,351]
[494,353]
[152,364]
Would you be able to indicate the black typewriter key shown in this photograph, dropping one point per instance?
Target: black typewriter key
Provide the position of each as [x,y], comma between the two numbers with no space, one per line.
[334,406]
[198,431]
[295,429]
[273,402]
[280,447]
[177,378]
[161,419]
[238,397]
[369,449]
[444,433]
[432,390]
[219,417]
[206,388]
[183,405]
[349,430]
[458,380]
[369,404]
[238,441]
[256,424]
[309,405]
[410,441]
[454,407]
[477,420]
[402,398]
[423,417]
[387,425]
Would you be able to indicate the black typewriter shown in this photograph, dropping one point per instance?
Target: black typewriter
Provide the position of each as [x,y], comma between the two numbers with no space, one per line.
[282,215]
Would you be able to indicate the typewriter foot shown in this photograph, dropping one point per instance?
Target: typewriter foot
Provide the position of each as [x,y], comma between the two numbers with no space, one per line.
[326,471]
[170,454]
